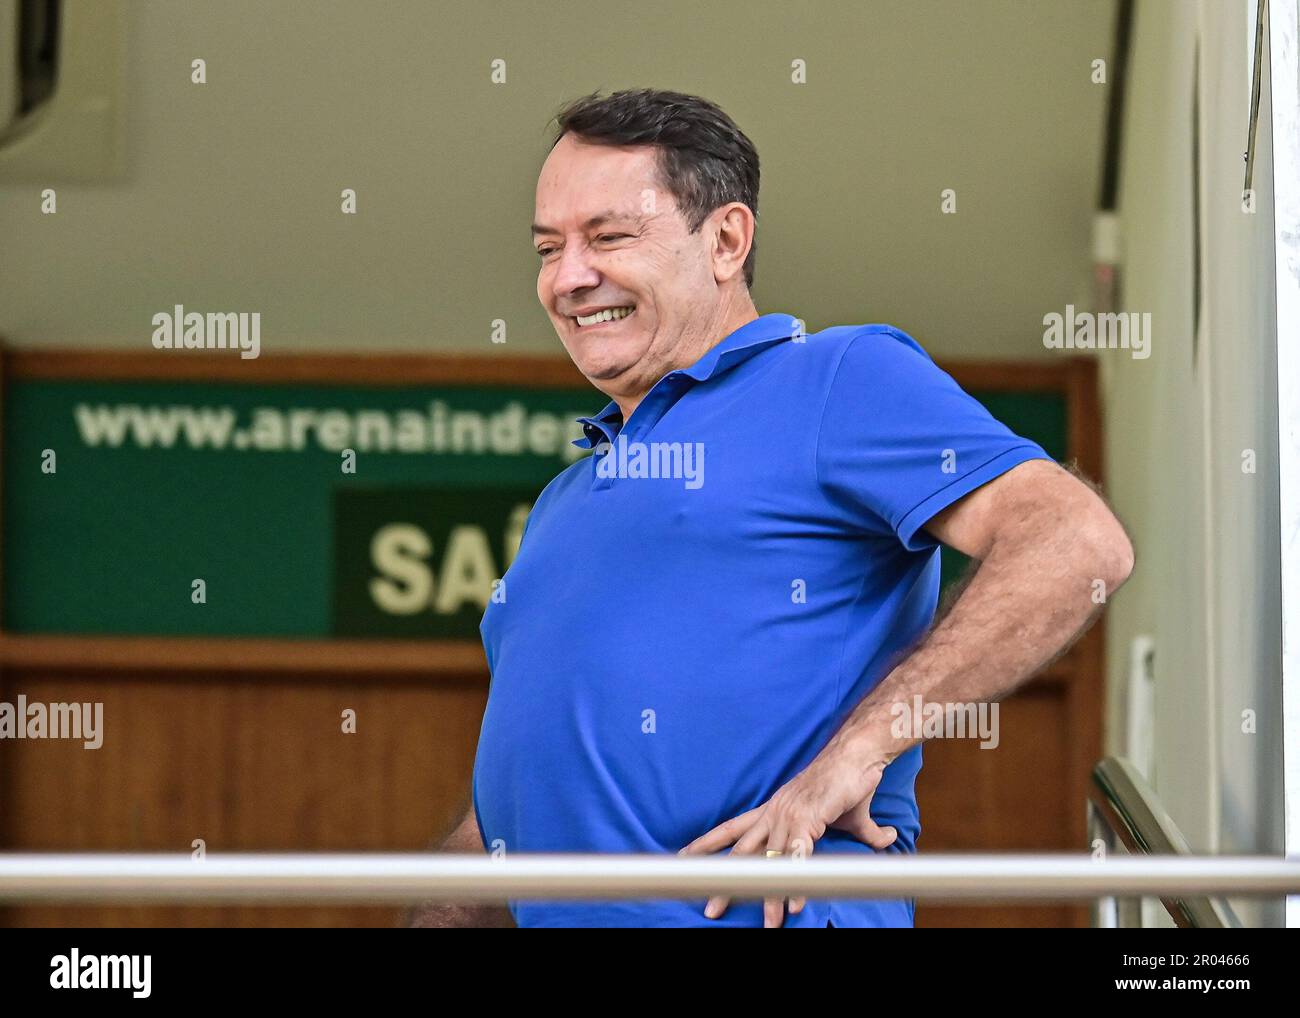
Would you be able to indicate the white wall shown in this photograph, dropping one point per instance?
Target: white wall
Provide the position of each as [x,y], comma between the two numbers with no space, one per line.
[1178,424]
[231,198]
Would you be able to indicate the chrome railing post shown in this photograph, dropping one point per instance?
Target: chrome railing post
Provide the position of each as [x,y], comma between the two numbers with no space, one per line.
[1129,809]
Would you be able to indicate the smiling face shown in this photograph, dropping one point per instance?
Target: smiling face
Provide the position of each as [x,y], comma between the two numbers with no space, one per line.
[632,293]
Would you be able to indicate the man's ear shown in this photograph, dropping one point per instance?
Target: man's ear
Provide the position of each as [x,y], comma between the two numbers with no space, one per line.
[733,231]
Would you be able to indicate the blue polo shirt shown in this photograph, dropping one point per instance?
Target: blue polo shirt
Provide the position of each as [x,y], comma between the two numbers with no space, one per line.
[696,607]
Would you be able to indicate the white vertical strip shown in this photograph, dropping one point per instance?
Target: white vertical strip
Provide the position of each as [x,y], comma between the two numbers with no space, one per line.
[1284,16]
[1203,379]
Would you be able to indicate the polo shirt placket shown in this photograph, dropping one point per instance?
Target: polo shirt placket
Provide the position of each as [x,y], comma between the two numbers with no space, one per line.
[606,428]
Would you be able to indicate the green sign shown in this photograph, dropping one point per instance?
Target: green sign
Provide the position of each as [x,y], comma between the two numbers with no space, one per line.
[119,496]
[260,509]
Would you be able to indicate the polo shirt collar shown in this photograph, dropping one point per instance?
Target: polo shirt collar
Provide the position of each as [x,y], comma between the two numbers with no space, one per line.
[735,349]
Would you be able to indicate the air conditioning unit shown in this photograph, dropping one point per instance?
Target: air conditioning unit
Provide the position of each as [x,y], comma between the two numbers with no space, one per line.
[62,88]
[29,49]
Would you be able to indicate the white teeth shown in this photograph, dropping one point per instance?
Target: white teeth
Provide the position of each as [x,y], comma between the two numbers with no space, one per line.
[607,315]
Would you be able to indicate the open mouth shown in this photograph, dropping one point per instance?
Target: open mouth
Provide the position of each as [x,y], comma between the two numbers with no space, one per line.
[605,316]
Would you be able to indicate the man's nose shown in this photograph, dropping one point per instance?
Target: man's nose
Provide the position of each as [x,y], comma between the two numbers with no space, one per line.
[574,272]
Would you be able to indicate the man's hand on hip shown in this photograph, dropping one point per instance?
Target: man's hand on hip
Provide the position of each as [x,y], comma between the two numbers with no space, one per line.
[834,791]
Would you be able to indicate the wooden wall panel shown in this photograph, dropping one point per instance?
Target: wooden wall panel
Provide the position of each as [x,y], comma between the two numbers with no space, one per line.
[247,763]
[1023,796]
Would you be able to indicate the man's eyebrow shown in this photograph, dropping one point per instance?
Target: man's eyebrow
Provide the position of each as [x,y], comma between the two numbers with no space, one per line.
[590,224]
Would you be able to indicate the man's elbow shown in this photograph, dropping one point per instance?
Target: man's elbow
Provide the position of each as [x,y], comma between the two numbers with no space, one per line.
[1109,552]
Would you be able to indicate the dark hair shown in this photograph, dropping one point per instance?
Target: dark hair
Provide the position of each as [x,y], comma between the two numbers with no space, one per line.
[705,160]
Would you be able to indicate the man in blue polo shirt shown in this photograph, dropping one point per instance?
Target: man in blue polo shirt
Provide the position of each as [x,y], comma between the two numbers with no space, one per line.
[712,620]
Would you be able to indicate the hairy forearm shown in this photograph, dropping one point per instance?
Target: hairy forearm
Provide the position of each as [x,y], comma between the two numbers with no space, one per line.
[1035,592]
[448,915]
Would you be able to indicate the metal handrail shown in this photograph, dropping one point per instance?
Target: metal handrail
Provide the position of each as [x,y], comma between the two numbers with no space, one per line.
[1129,808]
[377,877]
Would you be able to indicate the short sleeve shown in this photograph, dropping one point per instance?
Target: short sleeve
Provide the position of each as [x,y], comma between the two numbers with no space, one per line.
[900,441]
